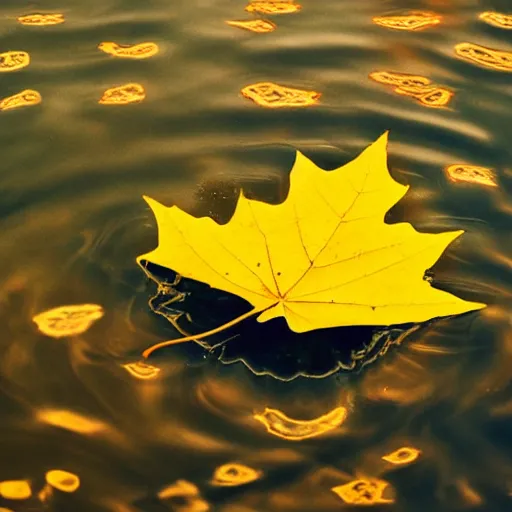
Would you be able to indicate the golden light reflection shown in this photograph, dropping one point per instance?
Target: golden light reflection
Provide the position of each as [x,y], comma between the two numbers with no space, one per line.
[232,474]
[497,19]
[123,95]
[134,51]
[280,425]
[364,491]
[404,455]
[41,19]
[412,21]
[471,174]
[487,57]
[273,7]
[142,371]
[68,320]
[2,509]
[15,489]
[62,480]
[70,420]
[24,98]
[469,495]
[259,26]
[187,496]
[417,87]
[270,95]
[14,60]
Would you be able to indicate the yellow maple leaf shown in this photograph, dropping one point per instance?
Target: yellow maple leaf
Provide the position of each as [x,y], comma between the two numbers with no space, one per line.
[322,258]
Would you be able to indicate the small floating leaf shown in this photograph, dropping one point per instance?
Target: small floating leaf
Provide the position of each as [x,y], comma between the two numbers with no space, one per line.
[280,425]
[233,474]
[70,420]
[259,26]
[142,370]
[15,490]
[404,455]
[135,51]
[472,174]
[41,19]
[367,491]
[62,480]
[22,99]
[68,320]
[487,57]
[497,19]
[272,7]
[12,61]
[270,95]
[124,94]
[413,21]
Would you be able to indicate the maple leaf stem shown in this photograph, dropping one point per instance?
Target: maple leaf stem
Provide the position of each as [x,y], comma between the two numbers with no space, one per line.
[196,337]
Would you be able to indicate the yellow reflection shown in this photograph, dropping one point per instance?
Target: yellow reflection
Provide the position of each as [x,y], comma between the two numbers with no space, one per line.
[278,424]
[187,496]
[470,496]
[62,480]
[142,371]
[417,87]
[12,61]
[71,421]
[487,57]
[272,7]
[15,489]
[270,95]
[234,474]
[259,26]
[404,455]
[413,21]
[364,491]
[497,19]
[41,19]
[399,79]
[134,51]
[68,320]
[22,99]
[124,94]
[2,509]
[471,174]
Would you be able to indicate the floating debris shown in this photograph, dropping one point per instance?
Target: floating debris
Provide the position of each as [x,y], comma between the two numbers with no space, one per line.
[15,490]
[404,455]
[418,87]
[41,19]
[497,19]
[68,320]
[259,26]
[412,21]
[280,425]
[22,99]
[12,61]
[364,491]
[70,420]
[486,57]
[134,51]
[123,94]
[142,370]
[270,95]
[472,174]
[232,474]
[273,7]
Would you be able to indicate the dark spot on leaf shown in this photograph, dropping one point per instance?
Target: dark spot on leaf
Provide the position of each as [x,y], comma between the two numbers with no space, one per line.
[279,273]
[258,264]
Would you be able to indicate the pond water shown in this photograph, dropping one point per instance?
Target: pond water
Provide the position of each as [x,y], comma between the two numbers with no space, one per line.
[272,425]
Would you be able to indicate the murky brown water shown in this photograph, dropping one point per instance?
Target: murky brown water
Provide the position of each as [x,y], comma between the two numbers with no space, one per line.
[269,422]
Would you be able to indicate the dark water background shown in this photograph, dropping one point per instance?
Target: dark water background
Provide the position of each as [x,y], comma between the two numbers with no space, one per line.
[72,175]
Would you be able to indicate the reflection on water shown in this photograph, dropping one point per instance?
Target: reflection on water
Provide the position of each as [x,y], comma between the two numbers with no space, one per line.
[22,99]
[413,21]
[270,95]
[134,51]
[132,436]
